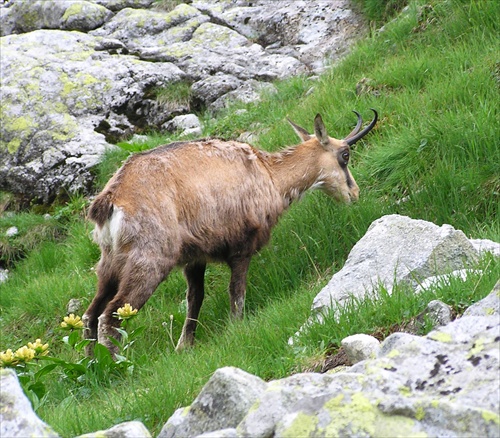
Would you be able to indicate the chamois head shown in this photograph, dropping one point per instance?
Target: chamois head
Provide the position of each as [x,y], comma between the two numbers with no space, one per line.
[333,175]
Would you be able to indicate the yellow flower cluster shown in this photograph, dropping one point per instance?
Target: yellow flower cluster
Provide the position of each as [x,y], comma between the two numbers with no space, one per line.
[72,322]
[25,354]
[39,347]
[7,358]
[126,312]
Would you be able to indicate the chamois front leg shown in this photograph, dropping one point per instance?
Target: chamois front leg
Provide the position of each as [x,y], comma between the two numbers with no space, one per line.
[195,276]
[237,286]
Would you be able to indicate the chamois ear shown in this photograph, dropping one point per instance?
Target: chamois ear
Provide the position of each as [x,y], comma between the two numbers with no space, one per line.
[320,131]
[301,132]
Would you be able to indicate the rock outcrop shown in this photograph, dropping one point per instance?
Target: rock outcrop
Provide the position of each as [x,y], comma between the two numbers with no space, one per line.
[78,76]
[17,418]
[443,384]
[395,249]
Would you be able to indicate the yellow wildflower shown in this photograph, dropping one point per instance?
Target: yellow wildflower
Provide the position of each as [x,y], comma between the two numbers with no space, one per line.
[24,354]
[40,349]
[72,322]
[126,312]
[7,358]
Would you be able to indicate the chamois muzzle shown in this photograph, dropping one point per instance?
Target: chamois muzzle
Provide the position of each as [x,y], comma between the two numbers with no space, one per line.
[355,135]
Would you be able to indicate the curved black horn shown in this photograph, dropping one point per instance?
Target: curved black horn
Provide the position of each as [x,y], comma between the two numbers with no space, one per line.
[358,126]
[360,135]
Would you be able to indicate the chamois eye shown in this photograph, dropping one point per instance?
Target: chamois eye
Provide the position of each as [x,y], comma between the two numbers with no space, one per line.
[345,156]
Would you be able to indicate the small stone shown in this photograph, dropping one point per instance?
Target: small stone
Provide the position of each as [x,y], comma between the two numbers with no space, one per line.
[360,347]
[3,275]
[74,306]
[12,231]
[439,313]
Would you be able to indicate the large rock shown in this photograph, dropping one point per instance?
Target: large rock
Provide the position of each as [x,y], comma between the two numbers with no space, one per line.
[395,249]
[313,32]
[17,418]
[140,29]
[214,48]
[56,91]
[221,404]
[28,15]
[129,429]
[489,306]
[444,384]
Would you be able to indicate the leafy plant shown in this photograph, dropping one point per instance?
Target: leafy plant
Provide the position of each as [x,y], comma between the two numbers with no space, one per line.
[33,364]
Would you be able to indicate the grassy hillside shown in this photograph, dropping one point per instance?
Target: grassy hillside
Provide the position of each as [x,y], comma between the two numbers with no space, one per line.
[433,74]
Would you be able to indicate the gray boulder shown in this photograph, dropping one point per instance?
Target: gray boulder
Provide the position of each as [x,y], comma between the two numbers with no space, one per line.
[17,418]
[489,306]
[188,124]
[67,91]
[211,88]
[221,404]
[117,5]
[141,29]
[442,384]
[313,32]
[360,347]
[28,15]
[486,246]
[214,48]
[395,249]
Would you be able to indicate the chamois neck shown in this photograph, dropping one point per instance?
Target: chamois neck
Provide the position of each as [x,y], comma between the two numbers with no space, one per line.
[294,171]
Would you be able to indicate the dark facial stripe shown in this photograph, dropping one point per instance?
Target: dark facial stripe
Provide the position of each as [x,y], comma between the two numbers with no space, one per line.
[350,182]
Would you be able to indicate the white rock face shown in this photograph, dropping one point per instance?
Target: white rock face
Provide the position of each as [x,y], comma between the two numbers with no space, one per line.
[485,245]
[48,135]
[17,418]
[221,404]
[396,249]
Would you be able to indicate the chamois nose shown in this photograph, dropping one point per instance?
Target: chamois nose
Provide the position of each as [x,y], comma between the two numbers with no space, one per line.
[354,194]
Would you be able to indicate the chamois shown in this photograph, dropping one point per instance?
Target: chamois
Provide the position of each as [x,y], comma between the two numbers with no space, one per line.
[190,203]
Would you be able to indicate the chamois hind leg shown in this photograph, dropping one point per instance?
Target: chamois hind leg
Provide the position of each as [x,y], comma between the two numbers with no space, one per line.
[140,279]
[237,286]
[195,276]
[107,287]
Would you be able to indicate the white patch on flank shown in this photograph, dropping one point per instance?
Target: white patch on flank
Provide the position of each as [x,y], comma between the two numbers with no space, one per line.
[115,224]
[108,235]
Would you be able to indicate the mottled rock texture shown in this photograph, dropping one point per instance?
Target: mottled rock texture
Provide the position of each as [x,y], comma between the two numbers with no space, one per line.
[79,75]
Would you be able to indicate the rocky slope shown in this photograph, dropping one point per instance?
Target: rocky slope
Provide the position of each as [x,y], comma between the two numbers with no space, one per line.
[79,75]
[443,384]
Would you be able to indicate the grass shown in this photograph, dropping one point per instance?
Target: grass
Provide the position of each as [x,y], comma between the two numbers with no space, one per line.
[433,76]
[173,96]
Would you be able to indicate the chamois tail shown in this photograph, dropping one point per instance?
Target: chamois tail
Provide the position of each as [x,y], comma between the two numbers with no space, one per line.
[101,209]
